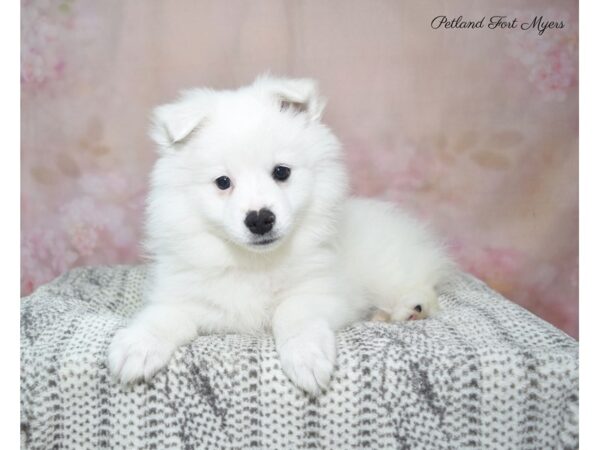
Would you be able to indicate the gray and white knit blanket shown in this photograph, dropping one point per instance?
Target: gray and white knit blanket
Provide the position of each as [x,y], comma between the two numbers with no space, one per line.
[485,373]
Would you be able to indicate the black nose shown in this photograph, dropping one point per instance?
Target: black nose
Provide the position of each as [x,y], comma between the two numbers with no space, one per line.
[260,222]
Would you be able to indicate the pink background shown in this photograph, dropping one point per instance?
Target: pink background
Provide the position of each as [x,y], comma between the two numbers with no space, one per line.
[475,131]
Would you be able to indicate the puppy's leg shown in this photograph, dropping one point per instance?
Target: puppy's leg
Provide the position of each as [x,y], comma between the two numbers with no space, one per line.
[148,342]
[395,259]
[303,327]
[417,303]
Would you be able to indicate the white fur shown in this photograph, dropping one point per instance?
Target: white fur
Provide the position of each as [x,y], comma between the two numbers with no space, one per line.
[335,257]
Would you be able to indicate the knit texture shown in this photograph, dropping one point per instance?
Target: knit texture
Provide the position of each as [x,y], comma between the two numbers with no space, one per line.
[484,373]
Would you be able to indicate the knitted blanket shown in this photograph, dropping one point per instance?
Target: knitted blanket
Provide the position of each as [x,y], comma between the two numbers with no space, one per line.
[484,373]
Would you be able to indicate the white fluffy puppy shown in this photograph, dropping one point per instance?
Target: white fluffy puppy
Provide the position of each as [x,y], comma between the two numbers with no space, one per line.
[250,227]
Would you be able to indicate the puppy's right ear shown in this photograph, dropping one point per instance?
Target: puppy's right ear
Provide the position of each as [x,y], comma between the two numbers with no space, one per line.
[173,124]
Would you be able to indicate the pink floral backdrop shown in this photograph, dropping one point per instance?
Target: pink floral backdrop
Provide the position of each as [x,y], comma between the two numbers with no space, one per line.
[475,131]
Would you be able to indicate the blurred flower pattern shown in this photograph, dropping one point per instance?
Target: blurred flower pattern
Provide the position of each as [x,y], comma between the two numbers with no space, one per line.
[477,135]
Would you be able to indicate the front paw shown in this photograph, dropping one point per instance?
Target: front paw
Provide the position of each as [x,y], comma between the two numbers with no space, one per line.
[308,358]
[135,354]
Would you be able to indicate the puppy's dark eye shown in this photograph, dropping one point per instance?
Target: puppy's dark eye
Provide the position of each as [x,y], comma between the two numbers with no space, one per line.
[281,173]
[223,183]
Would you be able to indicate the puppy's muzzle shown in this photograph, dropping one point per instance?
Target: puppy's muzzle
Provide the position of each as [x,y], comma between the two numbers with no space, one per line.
[260,222]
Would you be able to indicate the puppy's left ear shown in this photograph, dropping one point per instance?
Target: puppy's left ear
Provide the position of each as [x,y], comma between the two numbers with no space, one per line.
[299,95]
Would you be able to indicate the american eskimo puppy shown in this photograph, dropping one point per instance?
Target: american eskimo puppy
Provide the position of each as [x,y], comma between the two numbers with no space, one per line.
[250,227]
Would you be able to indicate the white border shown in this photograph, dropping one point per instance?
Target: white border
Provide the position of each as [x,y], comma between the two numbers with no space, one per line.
[589,223]
[9,235]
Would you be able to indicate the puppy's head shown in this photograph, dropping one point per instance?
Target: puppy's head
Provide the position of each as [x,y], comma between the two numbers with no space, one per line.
[252,165]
